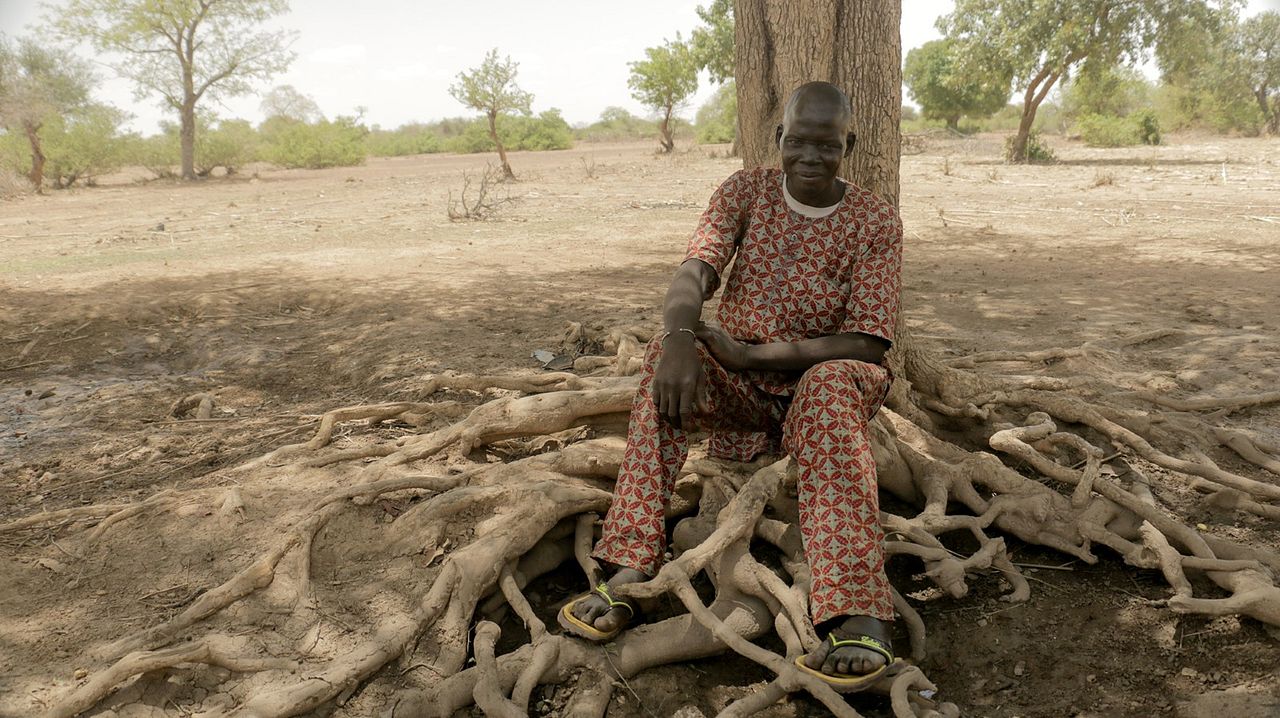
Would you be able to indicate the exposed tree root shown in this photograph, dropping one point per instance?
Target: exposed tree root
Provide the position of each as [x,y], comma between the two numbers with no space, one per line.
[465,546]
[224,652]
[202,403]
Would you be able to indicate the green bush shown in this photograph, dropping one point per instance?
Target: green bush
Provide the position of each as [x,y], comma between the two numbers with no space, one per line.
[1108,91]
[77,149]
[157,153]
[82,147]
[232,145]
[337,143]
[717,119]
[15,152]
[1184,108]
[1108,131]
[414,138]
[1038,151]
[615,124]
[1139,128]
[1147,125]
[547,131]
[473,138]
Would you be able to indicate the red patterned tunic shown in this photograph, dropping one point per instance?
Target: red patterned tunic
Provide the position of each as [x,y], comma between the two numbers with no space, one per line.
[795,277]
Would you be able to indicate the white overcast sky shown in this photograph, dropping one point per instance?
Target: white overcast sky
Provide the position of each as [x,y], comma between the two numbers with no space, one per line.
[398,57]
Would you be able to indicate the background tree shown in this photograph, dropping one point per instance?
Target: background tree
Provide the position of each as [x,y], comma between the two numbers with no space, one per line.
[945,94]
[492,89]
[285,101]
[38,85]
[1108,91]
[1258,56]
[1042,44]
[712,43]
[664,81]
[184,50]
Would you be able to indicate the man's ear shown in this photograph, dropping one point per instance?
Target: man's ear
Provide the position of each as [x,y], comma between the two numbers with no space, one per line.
[777,137]
[849,140]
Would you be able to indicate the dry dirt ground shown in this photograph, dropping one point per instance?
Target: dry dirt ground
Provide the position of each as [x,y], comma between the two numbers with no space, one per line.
[292,292]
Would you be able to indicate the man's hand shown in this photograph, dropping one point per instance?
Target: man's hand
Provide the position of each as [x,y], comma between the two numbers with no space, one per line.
[679,388]
[731,353]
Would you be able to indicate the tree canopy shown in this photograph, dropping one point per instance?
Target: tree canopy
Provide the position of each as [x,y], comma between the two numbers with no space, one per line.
[285,101]
[491,88]
[185,51]
[943,93]
[712,43]
[664,81]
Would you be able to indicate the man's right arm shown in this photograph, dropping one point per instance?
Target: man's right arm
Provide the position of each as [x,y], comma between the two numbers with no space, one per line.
[678,382]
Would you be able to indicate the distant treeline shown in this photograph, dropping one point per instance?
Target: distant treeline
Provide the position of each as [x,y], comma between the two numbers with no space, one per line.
[88,145]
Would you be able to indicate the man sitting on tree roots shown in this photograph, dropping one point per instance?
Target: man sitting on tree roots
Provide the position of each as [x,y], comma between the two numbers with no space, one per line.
[804,323]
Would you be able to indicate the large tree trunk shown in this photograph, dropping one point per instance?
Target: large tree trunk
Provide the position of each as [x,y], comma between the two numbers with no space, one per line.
[502,151]
[187,134]
[855,44]
[36,175]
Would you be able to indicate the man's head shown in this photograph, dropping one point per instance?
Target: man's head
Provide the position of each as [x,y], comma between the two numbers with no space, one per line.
[814,136]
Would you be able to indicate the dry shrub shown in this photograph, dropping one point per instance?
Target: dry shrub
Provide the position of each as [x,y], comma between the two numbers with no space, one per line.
[479,198]
[13,184]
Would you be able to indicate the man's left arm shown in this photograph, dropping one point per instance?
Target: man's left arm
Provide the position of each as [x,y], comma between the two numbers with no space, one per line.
[866,332]
[791,356]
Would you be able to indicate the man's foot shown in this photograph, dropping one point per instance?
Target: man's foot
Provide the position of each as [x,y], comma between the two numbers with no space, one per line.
[594,610]
[849,660]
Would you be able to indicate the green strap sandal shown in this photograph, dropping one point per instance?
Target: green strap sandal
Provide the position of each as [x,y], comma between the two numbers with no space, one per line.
[576,626]
[850,683]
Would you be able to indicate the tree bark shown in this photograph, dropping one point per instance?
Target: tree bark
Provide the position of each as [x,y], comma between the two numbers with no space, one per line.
[664,132]
[36,175]
[502,151]
[1270,116]
[187,135]
[855,44]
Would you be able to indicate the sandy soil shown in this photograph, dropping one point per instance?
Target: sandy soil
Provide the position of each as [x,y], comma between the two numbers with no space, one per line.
[291,292]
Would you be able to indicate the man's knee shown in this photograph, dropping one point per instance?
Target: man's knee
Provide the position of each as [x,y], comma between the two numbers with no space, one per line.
[863,382]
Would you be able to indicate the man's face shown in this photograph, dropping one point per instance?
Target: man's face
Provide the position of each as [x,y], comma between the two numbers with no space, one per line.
[812,146]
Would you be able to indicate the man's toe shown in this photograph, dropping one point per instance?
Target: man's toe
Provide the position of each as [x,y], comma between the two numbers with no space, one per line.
[609,620]
[815,659]
[831,665]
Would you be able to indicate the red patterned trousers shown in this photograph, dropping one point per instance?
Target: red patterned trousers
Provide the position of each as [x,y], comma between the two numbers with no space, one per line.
[824,429]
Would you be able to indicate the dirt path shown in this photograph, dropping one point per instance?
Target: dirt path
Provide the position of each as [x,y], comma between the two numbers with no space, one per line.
[292,292]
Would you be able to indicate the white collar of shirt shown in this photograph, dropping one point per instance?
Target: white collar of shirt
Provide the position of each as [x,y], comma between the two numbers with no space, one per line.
[806,210]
